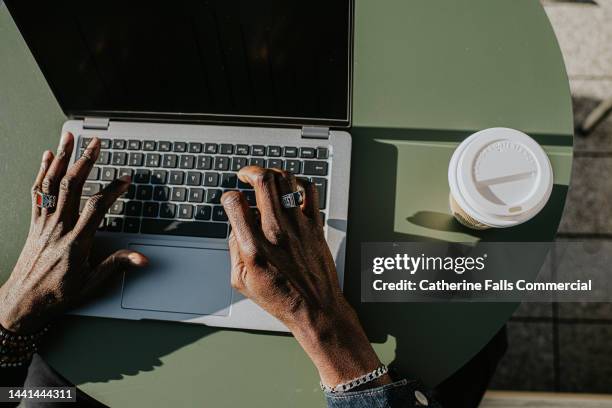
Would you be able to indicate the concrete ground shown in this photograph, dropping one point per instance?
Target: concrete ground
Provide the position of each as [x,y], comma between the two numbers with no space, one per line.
[568,347]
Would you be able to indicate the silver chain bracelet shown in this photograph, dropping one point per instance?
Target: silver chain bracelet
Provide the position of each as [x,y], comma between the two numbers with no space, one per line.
[354,383]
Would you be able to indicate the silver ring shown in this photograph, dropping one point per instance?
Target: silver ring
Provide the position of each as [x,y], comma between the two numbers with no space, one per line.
[45,200]
[293,200]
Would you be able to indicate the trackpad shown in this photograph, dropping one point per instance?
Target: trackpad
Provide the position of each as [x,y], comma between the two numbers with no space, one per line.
[179,280]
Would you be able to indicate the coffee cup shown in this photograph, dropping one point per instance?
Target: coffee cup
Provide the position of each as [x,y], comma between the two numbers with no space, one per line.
[498,178]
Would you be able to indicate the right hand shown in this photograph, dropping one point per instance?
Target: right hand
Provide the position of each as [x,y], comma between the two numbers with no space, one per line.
[282,262]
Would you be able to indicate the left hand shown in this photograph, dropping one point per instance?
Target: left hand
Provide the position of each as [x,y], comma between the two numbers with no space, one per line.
[54,271]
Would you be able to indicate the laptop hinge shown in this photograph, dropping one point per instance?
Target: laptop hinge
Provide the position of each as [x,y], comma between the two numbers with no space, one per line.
[315,132]
[96,123]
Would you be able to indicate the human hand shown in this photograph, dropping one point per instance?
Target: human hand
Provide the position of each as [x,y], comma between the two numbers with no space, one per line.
[54,271]
[282,262]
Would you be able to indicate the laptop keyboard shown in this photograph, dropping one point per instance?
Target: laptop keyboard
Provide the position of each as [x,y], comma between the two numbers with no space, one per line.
[177,186]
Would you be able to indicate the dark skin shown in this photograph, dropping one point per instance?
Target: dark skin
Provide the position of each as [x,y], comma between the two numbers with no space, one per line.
[279,260]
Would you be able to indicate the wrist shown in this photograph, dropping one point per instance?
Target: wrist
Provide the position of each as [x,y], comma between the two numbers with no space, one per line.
[14,314]
[337,344]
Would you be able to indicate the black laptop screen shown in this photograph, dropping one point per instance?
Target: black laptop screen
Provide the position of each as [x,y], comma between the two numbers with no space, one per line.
[286,61]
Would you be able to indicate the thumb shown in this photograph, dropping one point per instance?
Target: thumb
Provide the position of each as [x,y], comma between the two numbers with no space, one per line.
[116,263]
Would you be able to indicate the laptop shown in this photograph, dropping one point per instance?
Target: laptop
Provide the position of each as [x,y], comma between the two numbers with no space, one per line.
[183,95]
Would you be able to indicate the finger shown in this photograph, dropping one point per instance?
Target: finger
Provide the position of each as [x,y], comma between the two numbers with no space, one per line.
[72,183]
[287,184]
[247,232]
[117,262]
[50,183]
[237,265]
[310,205]
[98,205]
[47,158]
[274,219]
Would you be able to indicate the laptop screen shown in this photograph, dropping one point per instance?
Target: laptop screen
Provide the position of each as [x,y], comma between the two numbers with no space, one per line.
[273,61]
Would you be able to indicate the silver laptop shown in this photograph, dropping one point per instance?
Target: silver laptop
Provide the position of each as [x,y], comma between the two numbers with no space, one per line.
[183,95]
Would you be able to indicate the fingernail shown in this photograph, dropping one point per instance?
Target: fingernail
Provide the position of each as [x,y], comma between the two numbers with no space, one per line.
[46,156]
[137,259]
[93,143]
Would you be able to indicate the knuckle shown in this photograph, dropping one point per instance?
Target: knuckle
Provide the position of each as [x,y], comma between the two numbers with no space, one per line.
[264,178]
[47,183]
[95,203]
[231,199]
[68,183]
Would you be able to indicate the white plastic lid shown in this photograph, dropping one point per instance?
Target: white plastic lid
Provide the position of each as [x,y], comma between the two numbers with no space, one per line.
[500,177]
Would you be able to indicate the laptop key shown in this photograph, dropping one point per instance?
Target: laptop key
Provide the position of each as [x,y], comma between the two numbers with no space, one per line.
[169,161]
[142,176]
[133,144]
[126,172]
[242,150]
[150,210]
[90,189]
[184,228]
[228,180]
[315,168]
[119,144]
[213,196]
[133,208]
[321,185]
[274,151]
[114,224]
[250,198]
[244,186]
[144,193]
[104,157]
[196,195]
[131,225]
[161,193]
[195,147]
[105,143]
[293,166]
[210,148]
[290,151]
[119,158]
[307,153]
[159,177]
[109,174]
[164,146]
[176,178]
[257,161]
[117,208]
[136,159]
[194,178]
[94,174]
[185,211]
[211,179]
[222,163]
[204,163]
[275,163]
[187,162]
[180,147]
[226,149]
[259,150]
[130,193]
[85,142]
[166,210]
[238,163]
[219,213]
[203,212]
[322,153]
[153,160]
[179,194]
[148,145]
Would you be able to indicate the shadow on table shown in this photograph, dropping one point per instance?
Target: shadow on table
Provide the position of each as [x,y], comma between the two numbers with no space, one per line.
[433,340]
[111,348]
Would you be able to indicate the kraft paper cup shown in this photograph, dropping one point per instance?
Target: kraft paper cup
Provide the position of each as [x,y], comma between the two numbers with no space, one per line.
[498,178]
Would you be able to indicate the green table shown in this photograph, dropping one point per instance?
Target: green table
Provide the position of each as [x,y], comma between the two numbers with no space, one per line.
[427,74]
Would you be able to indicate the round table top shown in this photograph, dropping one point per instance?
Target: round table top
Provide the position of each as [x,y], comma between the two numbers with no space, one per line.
[426,75]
